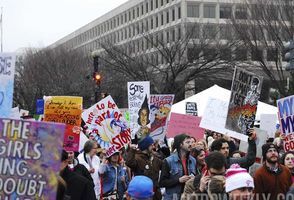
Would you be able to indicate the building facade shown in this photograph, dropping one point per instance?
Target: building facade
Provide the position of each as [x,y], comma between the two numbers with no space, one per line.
[166,20]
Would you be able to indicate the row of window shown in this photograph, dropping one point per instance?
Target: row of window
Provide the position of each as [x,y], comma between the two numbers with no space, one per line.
[128,16]
[240,11]
[134,29]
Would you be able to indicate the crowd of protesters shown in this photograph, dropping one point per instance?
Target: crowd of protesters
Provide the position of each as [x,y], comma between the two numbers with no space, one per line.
[211,168]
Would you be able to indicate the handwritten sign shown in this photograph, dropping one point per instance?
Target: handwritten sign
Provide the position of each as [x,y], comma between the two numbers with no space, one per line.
[68,110]
[7,68]
[286,118]
[29,159]
[214,118]
[138,99]
[160,107]
[245,92]
[261,139]
[180,123]
[110,128]
[268,122]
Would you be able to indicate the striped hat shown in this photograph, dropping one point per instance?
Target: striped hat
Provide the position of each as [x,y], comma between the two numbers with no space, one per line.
[237,177]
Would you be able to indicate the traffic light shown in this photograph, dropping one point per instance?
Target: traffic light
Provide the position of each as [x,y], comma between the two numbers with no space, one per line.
[289,56]
[97,78]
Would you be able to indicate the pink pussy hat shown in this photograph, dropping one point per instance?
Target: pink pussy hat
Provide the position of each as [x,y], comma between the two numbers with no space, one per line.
[237,177]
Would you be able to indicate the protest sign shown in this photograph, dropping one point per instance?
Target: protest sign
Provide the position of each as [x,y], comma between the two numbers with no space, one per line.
[261,138]
[29,159]
[109,127]
[160,106]
[191,108]
[245,92]
[138,99]
[214,118]
[180,123]
[7,68]
[268,122]
[286,118]
[68,110]
[40,107]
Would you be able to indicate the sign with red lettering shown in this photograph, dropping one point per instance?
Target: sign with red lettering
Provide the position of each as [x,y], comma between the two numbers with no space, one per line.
[105,120]
[160,107]
[286,118]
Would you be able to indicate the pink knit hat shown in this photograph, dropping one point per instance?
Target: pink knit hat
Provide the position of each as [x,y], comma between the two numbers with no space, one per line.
[237,177]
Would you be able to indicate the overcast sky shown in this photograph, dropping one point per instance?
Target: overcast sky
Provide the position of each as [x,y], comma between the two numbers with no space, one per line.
[39,23]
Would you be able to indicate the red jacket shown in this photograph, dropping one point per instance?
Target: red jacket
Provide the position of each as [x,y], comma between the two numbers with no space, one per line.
[271,183]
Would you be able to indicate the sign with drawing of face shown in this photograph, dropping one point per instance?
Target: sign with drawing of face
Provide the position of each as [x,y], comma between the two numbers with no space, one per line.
[160,107]
[245,92]
[139,111]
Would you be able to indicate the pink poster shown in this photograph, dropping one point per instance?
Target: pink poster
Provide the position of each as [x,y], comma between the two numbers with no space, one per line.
[180,123]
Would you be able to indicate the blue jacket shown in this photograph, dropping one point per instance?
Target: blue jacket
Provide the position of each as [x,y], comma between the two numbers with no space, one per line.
[172,170]
[108,174]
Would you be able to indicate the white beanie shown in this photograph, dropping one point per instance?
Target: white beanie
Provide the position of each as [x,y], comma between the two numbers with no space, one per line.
[237,177]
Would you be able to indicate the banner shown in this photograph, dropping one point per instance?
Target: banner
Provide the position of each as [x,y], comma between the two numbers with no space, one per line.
[245,92]
[29,159]
[106,120]
[180,123]
[214,118]
[138,99]
[68,110]
[191,108]
[286,118]
[268,122]
[160,107]
[7,68]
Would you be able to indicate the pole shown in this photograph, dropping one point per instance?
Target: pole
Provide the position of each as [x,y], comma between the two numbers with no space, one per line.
[97,87]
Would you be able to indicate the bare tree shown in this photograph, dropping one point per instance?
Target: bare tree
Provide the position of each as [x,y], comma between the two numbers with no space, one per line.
[263,26]
[172,58]
[52,72]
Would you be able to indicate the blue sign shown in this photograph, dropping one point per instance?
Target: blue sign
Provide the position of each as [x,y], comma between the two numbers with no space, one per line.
[7,66]
[40,107]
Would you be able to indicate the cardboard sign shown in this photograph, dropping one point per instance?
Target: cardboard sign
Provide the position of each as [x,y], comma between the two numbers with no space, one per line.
[261,137]
[138,100]
[105,120]
[191,108]
[160,107]
[68,110]
[268,122]
[245,92]
[286,118]
[29,159]
[214,118]
[180,123]
[7,68]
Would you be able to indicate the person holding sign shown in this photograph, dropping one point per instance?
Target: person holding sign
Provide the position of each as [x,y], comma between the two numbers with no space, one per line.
[222,145]
[143,161]
[92,162]
[114,178]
